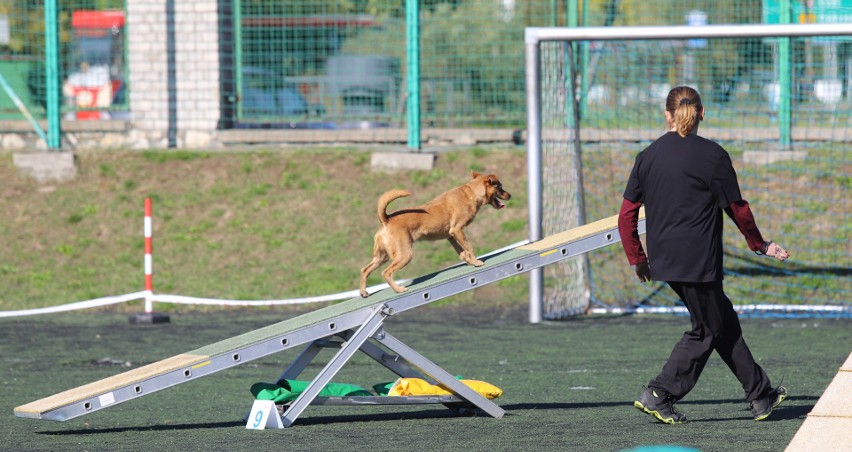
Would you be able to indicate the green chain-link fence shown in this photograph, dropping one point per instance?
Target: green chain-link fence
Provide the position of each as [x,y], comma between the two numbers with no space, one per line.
[331,64]
[21,59]
[92,69]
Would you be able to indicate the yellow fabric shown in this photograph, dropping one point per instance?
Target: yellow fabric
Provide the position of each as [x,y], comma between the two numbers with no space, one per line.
[417,386]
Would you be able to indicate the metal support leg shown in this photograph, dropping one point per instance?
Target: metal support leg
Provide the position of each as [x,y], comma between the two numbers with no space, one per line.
[394,363]
[373,323]
[442,376]
[301,362]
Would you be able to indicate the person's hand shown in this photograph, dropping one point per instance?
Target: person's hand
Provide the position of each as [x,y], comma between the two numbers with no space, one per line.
[643,271]
[773,250]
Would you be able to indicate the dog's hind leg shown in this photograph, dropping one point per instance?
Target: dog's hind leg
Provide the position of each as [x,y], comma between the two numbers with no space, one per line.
[379,258]
[399,260]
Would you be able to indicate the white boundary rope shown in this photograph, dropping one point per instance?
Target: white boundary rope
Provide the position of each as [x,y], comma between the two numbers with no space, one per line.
[78,305]
[180,299]
[150,297]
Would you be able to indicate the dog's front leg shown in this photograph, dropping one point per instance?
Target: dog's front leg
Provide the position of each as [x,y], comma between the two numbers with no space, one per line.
[459,249]
[460,244]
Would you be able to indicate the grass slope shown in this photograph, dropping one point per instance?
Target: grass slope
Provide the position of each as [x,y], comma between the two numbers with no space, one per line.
[236,225]
[294,222]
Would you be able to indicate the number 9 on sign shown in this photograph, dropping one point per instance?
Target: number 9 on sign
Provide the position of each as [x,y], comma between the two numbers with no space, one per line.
[258,418]
[263,414]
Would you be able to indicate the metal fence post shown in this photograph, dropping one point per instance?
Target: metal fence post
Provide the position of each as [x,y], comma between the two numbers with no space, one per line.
[785,77]
[412,35]
[51,47]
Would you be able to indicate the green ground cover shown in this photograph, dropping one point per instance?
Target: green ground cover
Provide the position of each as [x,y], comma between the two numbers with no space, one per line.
[266,224]
[273,223]
[292,222]
[567,385]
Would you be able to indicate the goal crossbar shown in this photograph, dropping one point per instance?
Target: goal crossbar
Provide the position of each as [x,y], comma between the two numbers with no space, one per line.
[534,35]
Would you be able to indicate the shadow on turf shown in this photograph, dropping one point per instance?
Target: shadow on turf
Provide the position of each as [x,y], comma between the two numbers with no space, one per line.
[149,428]
[315,420]
[783,413]
[780,414]
[561,405]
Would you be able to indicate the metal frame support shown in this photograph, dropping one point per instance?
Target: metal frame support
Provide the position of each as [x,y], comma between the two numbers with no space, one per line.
[442,376]
[401,364]
[352,345]
[301,362]
[354,328]
[394,363]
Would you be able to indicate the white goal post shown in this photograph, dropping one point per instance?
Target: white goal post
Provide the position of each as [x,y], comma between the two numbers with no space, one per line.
[569,129]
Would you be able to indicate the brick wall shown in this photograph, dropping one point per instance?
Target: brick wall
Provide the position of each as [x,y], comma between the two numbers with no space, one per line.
[196,66]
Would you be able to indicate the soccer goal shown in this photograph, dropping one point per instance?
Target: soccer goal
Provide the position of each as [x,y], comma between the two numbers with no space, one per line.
[778,97]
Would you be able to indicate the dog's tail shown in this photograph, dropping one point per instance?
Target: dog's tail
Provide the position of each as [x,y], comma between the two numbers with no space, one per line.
[386,199]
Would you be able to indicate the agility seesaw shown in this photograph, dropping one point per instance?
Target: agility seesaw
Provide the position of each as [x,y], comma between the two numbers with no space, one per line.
[351,326]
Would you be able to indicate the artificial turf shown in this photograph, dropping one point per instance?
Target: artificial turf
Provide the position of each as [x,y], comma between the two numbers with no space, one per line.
[568,385]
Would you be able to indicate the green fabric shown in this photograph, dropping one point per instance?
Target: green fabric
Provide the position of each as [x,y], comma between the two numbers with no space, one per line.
[383,388]
[289,390]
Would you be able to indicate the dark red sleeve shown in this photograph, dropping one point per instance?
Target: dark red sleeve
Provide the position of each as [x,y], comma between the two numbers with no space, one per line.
[741,214]
[628,229]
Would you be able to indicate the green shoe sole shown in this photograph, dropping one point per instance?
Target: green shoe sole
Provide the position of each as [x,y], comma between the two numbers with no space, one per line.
[656,414]
[781,398]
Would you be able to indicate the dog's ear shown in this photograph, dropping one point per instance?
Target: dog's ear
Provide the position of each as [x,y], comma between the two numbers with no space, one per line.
[492,179]
[474,174]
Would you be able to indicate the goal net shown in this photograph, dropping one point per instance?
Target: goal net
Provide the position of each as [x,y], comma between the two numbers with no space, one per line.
[777,97]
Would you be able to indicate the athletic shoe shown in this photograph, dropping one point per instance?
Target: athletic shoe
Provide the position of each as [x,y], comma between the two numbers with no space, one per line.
[659,404]
[762,408]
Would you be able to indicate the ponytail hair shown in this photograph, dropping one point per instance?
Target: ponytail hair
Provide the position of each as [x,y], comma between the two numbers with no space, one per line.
[684,105]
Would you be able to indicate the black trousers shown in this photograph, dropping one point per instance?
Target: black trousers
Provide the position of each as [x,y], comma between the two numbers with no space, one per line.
[715,326]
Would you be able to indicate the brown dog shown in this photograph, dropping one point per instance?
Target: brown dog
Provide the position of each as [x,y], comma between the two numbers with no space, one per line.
[444,217]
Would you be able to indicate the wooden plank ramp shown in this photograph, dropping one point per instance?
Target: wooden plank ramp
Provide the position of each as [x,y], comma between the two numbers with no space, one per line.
[322,323]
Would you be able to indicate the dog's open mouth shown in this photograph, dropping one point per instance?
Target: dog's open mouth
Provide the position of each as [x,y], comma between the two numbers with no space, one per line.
[495,203]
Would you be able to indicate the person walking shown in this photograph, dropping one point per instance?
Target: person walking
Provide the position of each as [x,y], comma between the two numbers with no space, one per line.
[685,183]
